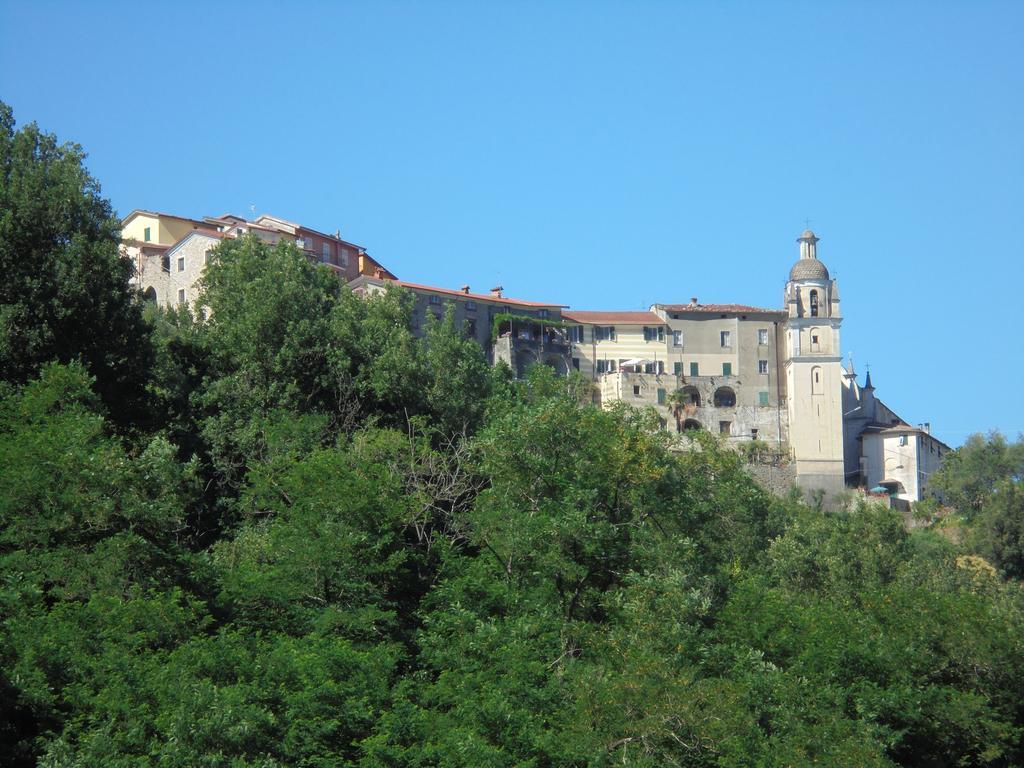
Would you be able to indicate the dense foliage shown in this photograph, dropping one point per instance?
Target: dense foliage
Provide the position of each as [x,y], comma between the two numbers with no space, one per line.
[330,543]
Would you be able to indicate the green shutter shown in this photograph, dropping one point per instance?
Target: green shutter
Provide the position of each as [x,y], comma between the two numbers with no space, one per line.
[727,369]
[694,369]
[677,368]
[762,398]
[661,397]
[145,234]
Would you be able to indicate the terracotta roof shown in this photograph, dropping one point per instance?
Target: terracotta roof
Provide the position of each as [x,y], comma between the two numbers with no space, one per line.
[142,211]
[476,296]
[718,308]
[613,318]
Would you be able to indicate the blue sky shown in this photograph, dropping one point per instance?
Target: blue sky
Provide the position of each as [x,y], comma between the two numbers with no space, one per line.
[603,155]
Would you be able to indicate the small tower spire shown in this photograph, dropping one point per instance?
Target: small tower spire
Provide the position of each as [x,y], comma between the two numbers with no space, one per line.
[867,381]
[808,245]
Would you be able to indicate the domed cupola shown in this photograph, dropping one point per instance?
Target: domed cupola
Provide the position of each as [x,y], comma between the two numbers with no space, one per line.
[808,267]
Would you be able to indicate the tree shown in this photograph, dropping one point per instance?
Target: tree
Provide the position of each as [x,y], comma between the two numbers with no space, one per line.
[65,294]
[969,474]
[998,533]
[459,380]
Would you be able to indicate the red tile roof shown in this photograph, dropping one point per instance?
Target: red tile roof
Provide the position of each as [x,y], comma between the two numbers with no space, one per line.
[476,296]
[613,318]
[717,308]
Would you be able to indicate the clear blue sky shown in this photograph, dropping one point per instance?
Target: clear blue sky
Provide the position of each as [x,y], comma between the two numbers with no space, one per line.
[601,155]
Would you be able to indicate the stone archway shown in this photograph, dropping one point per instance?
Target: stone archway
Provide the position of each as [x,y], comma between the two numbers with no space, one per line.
[725,397]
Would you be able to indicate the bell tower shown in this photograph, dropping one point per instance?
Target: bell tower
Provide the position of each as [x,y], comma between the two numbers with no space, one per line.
[814,374]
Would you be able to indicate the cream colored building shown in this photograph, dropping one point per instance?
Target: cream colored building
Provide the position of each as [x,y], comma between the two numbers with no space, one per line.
[169,252]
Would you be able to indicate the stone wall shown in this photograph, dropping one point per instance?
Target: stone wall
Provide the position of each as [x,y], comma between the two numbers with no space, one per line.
[776,479]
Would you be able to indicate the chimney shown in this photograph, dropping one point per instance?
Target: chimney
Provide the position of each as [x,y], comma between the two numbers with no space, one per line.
[464,289]
[379,273]
[496,292]
[693,301]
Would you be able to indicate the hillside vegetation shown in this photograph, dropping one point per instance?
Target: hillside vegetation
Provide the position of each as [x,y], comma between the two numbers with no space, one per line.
[292,534]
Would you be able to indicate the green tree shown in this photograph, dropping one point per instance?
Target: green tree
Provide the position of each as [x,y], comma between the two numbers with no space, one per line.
[969,474]
[458,378]
[65,294]
[998,532]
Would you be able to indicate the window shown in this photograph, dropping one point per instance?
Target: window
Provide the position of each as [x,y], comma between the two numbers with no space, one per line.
[238,231]
[724,427]
[181,295]
[307,243]
[661,396]
[636,390]
[576,334]
[727,369]
[181,263]
[576,363]
[726,338]
[661,366]
[325,251]
[435,299]
[604,366]
[542,313]
[903,439]
[146,234]
[343,256]
[677,369]
[725,398]
[471,306]
[604,332]
[649,367]
[814,303]
[677,338]
[654,333]
[816,388]
[762,336]
[694,368]
[762,398]
[762,366]
[753,433]
[471,328]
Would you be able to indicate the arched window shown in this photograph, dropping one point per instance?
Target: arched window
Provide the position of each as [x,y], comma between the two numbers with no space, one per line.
[814,303]
[691,424]
[150,294]
[691,395]
[725,397]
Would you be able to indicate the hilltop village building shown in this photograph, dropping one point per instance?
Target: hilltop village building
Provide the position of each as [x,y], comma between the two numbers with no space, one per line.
[169,252]
[746,373]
